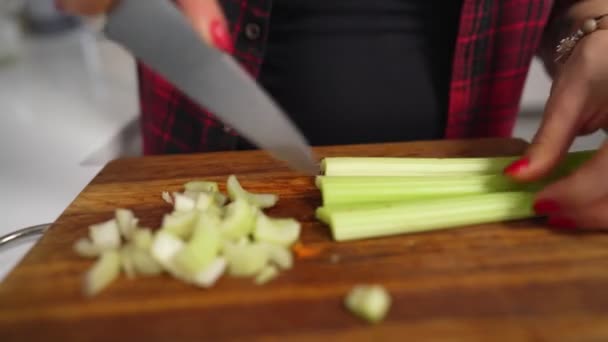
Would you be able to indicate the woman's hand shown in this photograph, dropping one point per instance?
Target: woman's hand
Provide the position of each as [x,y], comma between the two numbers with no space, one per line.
[578,105]
[205,15]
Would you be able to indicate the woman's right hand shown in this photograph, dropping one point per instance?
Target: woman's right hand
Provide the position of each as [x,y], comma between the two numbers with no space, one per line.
[205,16]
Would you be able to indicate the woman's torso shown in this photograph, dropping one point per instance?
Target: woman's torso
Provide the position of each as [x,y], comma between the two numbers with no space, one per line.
[357,71]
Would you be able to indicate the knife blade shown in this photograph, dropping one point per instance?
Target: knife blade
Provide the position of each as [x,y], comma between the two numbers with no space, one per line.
[158,34]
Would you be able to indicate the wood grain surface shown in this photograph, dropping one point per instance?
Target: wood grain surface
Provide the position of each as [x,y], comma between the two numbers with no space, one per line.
[499,282]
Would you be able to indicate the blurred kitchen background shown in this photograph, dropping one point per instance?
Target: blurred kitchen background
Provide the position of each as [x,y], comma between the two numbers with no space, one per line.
[68,104]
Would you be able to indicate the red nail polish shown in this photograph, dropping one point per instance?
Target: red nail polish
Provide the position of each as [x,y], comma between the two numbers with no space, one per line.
[546,206]
[517,166]
[562,222]
[220,36]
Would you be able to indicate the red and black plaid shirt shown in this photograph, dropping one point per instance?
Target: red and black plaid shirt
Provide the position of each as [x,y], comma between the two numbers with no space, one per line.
[496,42]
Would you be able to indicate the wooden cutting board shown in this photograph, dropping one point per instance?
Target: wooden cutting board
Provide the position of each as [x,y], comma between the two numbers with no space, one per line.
[497,282]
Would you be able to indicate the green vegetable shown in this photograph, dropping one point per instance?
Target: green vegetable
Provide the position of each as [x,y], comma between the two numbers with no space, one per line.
[202,248]
[85,248]
[281,231]
[236,191]
[183,203]
[179,224]
[279,255]
[245,260]
[266,275]
[210,274]
[441,213]
[368,189]
[369,302]
[238,221]
[126,221]
[409,166]
[144,263]
[103,273]
[142,238]
[126,261]
[202,186]
[105,235]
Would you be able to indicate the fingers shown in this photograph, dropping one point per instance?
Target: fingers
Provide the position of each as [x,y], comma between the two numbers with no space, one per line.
[581,189]
[208,19]
[84,7]
[560,126]
[594,217]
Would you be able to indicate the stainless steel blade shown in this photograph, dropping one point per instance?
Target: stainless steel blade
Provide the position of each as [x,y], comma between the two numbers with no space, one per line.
[157,33]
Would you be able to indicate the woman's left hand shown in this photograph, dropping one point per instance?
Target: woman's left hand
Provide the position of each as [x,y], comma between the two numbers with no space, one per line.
[577,105]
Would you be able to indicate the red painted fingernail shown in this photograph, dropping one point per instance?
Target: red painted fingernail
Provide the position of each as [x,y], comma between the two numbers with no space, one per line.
[561,222]
[546,206]
[517,166]
[221,37]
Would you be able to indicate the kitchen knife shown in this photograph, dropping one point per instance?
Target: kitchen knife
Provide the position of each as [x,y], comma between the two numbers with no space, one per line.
[159,35]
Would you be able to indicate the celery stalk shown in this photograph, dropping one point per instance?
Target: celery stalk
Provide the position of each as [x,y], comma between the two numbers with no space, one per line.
[414,166]
[209,275]
[266,275]
[442,213]
[279,255]
[367,189]
[179,224]
[202,186]
[142,238]
[245,260]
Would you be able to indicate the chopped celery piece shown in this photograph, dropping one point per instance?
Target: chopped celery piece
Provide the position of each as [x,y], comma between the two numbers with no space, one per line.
[367,189]
[102,273]
[266,275]
[183,203]
[179,224]
[127,222]
[126,261]
[144,263]
[202,186]
[209,275]
[203,201]
[369,302]
[442,213]
[282,231]
[85,248]
[413,166]
[164,248]
[105,235]
[235,191]
[279,255]
[166,196]
[219,198]
[202,248]
[238,221]
[245,260]
[142,238]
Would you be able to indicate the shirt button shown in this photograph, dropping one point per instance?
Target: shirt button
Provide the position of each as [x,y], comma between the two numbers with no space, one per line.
[252,31]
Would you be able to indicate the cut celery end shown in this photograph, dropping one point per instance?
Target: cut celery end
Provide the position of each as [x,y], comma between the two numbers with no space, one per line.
[85,248]
[238,221]
[369,189]
[202,249]
[430,215]
[266,275]
[179,224]
[236,191]
[127,222]
[105,235]
[369,302]
[245,260]
[208,276]
[102,273]
[281,231]
[202,186]
[142,238]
